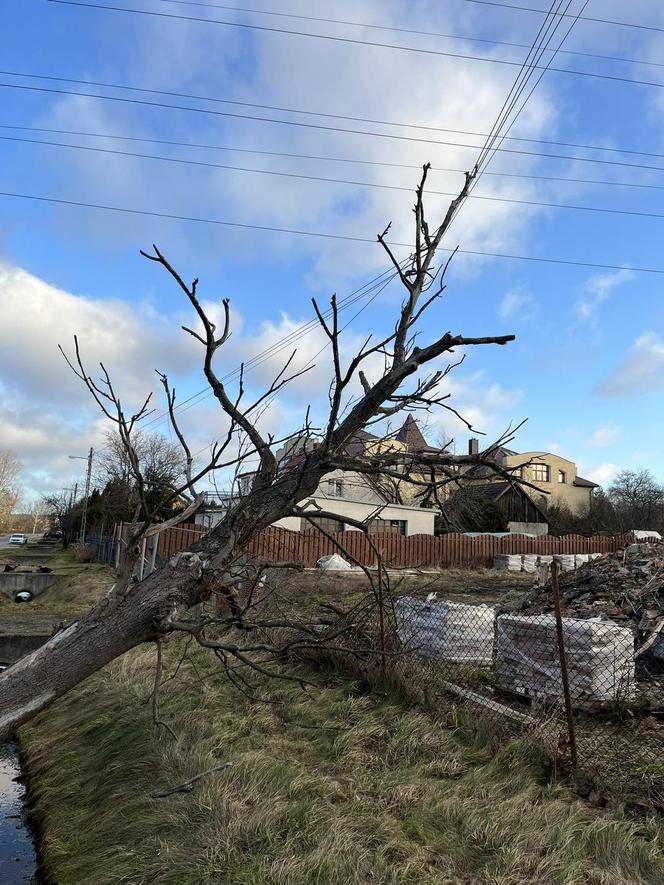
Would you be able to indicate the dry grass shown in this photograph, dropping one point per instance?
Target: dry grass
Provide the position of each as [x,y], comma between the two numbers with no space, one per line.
[330,787]
[309,589]
[79,586]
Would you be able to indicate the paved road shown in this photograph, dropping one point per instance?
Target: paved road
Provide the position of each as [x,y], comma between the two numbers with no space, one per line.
[4,539]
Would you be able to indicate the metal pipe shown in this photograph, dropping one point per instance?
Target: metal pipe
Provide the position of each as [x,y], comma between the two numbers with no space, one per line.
[153,556]
[141,568]
[562,656]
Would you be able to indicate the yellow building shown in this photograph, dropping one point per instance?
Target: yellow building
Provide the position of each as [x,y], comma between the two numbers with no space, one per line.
[556,476]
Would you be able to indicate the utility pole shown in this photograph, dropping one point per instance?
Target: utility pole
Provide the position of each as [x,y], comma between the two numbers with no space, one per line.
[87,490]
[87,495]
[72,494]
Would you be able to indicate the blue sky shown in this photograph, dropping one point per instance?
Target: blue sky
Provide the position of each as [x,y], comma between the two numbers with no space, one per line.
[587,368]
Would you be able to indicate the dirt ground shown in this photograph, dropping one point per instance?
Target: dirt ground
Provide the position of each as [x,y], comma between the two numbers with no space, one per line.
[312,588]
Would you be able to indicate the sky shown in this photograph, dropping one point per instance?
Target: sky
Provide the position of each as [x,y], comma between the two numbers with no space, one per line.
[587,367]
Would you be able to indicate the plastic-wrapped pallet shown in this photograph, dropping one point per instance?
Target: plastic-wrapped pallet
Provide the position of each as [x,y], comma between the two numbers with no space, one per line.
[600,658]
[529,562]
[333,562]
[510,562]
[543,568]
[565,561]
[580,559]
[445,631]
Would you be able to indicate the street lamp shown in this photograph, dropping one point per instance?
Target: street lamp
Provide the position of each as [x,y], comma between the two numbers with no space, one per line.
[87,458]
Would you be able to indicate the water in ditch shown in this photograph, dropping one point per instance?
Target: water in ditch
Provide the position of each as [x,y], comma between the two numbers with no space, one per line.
[18,859]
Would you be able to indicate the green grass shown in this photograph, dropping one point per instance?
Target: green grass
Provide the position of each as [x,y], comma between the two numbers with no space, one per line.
[78,588]
[327,787]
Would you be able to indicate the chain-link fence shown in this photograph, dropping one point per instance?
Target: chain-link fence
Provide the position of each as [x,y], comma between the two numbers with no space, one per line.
[590,687]
[105,548]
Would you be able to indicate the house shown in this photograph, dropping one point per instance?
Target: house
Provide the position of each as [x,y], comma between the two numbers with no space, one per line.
[350,495]
[398,506]
[354,496]
[213,509]
[556,476]
[524,515]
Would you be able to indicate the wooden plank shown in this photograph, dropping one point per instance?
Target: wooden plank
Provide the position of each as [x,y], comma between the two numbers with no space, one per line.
[487,703]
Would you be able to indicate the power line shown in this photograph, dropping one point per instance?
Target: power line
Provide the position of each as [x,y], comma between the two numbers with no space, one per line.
[540,45]
[519,85]
[349,160]
[309,113]
[327,180]
[357,42]
[388,135]
[320,234]
[467,37]
[553,13]
[587,18]
[375,286]
[537,51]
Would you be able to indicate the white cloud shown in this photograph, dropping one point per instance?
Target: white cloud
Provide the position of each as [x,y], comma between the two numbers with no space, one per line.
[515,303]
[401,93]
[642,370]
[598,289]
[488,408]
[45,411]
[604,436]
[602,473]
[131,341]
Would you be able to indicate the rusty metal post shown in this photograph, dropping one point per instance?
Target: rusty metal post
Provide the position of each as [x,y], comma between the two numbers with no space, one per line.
[381,612]
[562,656]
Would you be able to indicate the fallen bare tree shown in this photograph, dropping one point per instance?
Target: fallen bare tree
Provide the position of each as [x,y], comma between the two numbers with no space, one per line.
[152,610]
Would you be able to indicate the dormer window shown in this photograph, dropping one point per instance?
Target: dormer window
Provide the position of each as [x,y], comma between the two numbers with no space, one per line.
[335,488]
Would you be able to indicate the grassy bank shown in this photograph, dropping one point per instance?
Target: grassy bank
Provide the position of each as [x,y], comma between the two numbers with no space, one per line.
[79,586]
[330,787]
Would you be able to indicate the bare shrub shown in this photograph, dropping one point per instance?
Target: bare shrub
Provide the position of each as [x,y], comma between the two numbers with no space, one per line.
[83,552]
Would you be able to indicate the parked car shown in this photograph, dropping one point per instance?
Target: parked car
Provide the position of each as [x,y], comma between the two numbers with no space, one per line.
[18,538]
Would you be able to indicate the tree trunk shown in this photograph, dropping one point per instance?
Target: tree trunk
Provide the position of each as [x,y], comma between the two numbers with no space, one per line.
[113,627]
[123,620]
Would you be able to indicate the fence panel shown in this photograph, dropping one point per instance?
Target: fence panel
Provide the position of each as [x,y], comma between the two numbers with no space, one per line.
[416,551]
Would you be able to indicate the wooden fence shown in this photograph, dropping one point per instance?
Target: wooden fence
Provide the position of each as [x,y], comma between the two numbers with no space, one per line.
[416,551]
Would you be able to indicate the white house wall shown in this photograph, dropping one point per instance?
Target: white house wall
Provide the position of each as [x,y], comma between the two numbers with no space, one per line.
[419,521]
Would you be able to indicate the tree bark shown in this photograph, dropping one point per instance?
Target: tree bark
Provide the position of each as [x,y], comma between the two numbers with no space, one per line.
[120,623]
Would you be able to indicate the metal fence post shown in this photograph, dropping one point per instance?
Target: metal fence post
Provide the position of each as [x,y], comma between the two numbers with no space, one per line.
[153,552]
[381,611]
[119,545]
[562,656]
[141,568]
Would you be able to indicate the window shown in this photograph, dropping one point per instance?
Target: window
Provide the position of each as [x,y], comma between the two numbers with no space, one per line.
[244,482]
[541,473]
[562,476]
[335,488]
[326,523]
[388,526]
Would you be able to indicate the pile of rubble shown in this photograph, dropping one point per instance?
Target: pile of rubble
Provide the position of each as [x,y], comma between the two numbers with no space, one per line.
[625,587]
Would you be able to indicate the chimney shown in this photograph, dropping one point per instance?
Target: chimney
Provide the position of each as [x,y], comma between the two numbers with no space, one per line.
[473,446]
